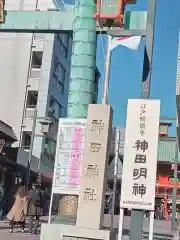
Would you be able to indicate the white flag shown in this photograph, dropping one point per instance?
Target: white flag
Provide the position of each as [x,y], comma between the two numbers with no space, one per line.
[131,42]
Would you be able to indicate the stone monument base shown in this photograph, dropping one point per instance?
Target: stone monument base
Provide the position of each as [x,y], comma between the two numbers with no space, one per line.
[70,232]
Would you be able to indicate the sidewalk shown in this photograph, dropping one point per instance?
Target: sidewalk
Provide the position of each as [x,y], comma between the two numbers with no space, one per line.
[4,224]
[17,235]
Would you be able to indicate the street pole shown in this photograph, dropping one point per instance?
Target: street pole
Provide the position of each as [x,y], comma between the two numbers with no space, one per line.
[31,147]
[136,226]
[116,158]
[107,71]
[149,47]
[174,194]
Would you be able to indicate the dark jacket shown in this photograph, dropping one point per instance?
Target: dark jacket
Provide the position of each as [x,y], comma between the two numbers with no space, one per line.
[32,209]
[1,196]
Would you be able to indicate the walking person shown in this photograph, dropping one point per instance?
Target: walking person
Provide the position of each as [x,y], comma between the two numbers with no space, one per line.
[16,215]
[34,208]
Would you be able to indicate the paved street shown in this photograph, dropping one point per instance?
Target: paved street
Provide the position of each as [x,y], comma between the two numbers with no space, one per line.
[17,235]
[162,230]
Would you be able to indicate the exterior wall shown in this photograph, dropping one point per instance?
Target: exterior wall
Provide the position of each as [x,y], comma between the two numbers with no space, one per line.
[15,72]
[14,59]
[43,90]
[23,155]
[29,4]
[47,89]
[16,51]
[53,90]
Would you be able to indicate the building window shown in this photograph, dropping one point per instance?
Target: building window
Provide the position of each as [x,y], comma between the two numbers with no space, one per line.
[49,147]
[64,38]
[59,74]
[36,61]
[55,109]
[63,42]
[64,51]
[97,76]
[26,140]
[163,129]
[32,99]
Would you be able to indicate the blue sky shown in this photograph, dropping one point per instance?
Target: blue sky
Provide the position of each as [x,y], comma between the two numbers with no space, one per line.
[126,65]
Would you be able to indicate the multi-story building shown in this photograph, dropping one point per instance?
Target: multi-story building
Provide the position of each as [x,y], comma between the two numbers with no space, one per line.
[34,71]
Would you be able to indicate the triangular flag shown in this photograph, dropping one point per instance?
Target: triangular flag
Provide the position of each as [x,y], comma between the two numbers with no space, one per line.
[131,42]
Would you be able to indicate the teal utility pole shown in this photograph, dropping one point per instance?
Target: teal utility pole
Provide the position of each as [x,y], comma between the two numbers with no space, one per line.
[136,227]
[83,59]
[82,79]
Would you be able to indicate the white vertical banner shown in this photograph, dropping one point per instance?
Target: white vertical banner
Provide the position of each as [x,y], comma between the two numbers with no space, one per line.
[140,154]
[69,153]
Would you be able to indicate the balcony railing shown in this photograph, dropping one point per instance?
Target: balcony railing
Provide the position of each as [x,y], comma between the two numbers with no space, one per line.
[29,113]
[39,36]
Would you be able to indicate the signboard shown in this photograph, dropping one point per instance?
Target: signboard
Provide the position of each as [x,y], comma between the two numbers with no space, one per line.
[94,167]
[109,7]
[69,153]
[140,154]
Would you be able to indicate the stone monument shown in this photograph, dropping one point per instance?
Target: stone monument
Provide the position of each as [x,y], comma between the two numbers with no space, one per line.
[94,167]
[90,213]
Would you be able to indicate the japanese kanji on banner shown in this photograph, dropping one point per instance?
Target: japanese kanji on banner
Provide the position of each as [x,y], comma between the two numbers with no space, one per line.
[140,154]
[69,153]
